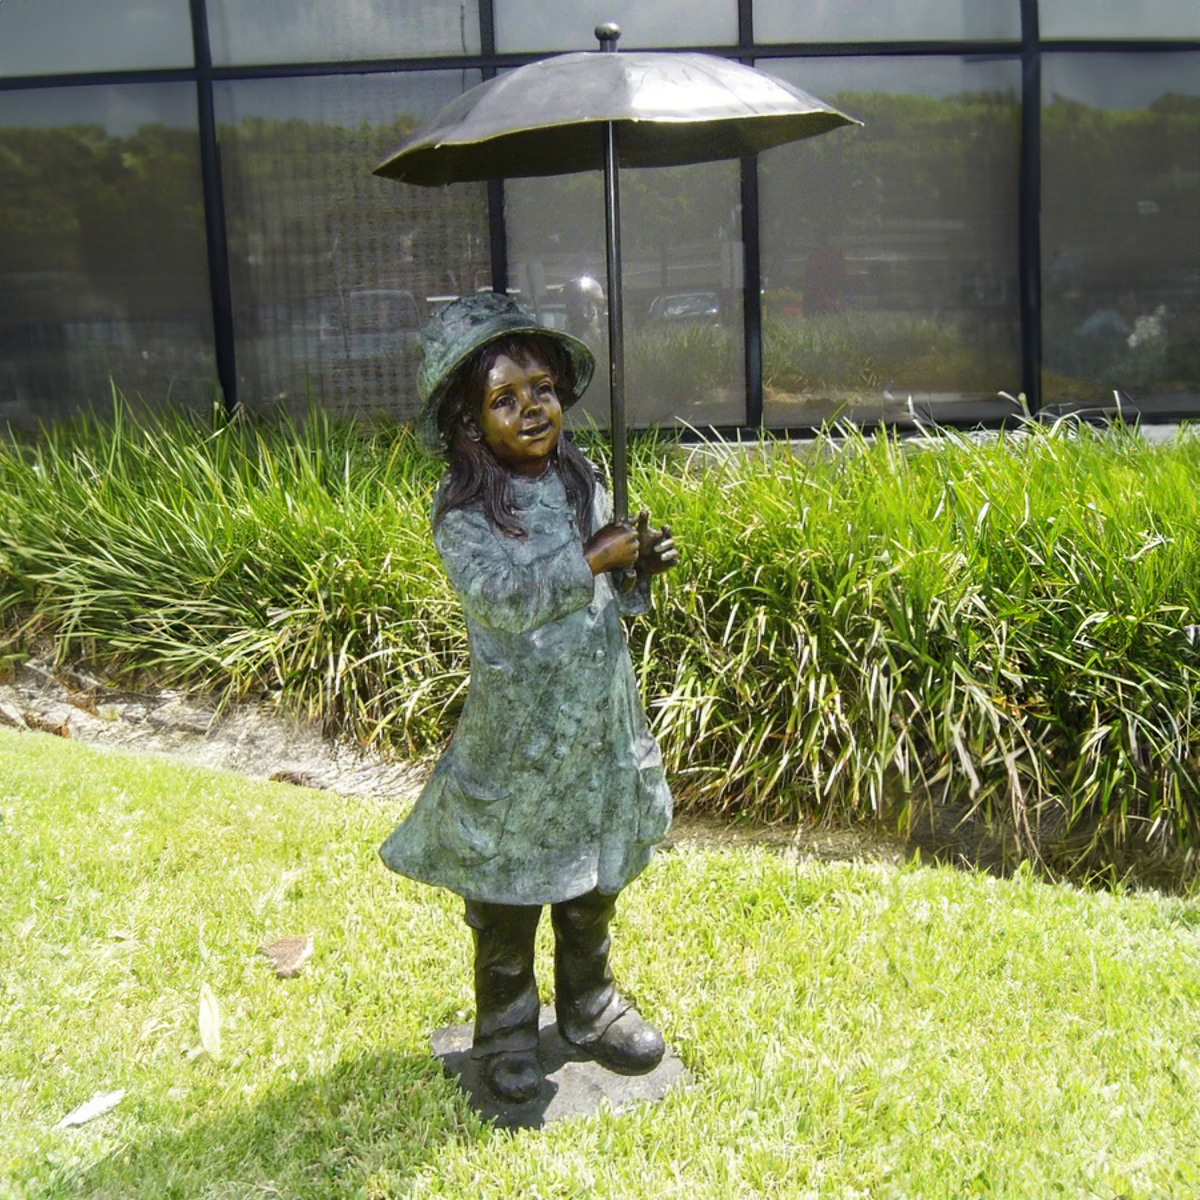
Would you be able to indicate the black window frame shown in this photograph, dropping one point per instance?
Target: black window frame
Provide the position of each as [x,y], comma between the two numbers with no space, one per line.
[1029,49]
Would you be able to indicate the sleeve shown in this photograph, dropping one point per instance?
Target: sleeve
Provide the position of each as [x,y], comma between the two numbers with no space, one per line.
[636,601]
[502,594]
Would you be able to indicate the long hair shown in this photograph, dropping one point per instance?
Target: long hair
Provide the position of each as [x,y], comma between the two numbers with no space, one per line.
[476,477]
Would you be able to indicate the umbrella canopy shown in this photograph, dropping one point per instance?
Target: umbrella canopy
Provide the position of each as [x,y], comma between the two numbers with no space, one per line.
[549,118]
[590,110]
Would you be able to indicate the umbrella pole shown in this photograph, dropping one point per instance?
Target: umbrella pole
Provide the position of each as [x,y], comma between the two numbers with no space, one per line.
[616,328]
[607,36]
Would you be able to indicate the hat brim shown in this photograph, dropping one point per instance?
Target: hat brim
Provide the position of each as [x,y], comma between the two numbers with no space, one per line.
[579,354]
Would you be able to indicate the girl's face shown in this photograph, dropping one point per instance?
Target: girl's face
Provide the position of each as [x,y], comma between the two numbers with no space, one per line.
[520,417]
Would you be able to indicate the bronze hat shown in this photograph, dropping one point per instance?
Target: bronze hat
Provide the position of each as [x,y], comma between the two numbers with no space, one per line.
[468,324]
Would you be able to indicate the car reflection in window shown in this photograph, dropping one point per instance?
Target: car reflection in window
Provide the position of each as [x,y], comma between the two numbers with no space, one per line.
[686,308]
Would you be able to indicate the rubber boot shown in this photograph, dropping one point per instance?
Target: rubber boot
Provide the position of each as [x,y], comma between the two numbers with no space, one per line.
[592,1014]
[506,998]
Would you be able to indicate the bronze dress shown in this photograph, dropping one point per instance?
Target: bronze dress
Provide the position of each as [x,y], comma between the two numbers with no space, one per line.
[552,786]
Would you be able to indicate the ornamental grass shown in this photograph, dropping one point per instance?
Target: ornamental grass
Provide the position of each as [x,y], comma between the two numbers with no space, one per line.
[860,628]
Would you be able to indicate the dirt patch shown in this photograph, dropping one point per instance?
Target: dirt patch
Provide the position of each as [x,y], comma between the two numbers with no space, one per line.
[804,840]
[253,740]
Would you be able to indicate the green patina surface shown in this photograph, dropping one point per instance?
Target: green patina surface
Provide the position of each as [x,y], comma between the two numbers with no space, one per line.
[553,785]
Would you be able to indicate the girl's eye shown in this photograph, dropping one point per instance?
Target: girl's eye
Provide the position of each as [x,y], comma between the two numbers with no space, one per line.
[503,399]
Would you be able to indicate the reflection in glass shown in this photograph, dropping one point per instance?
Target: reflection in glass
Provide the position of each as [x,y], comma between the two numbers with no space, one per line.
[1121,229]
[552,25]
[103,268]
[1119,19]
[681,243]
[284,31]
[885,20]
[333,268]
[56,37]
[890,251]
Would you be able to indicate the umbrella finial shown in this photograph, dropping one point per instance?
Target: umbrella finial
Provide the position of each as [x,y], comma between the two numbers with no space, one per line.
[607,35]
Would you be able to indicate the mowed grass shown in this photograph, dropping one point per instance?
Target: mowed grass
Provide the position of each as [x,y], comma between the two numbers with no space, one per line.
[851,1029]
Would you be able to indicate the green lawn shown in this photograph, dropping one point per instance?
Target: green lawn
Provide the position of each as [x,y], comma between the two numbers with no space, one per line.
[852,1029]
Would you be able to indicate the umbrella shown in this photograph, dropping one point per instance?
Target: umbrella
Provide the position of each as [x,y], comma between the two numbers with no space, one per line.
[601,109]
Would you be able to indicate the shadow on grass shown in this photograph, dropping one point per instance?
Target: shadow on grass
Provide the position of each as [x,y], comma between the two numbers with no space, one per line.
[970,837]
[363,1129]
[1091,852]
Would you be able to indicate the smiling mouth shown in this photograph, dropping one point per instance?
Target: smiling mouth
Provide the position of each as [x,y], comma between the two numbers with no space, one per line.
[537,431]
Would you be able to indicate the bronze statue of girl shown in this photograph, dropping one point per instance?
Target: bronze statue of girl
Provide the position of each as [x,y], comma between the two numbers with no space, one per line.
[552,789]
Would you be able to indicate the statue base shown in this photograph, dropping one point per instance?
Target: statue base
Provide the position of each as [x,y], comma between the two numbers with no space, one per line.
[574,1085]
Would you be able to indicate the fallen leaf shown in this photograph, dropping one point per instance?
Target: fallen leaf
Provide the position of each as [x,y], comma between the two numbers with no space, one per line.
[56,722]
[210,1022]
[288,954]
[297,778]
[97,1106]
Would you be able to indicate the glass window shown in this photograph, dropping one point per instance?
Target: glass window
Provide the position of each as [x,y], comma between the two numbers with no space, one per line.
[524,25]
[885,20]
[243,32]
[889,252]
[1118,18]
[1121,229]
[55,37]
[103,269]
[682,251]
[333,268]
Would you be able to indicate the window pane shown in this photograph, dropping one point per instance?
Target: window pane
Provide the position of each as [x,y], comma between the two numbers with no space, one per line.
[885,20]
[55,37]
[552,25]
[890,251]
[102,257]
[1121,229]
[681,244]
[1118,18]
[333,268]
[284,31]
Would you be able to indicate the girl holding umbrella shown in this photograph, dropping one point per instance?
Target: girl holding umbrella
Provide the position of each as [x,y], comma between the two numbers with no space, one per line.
[552,790]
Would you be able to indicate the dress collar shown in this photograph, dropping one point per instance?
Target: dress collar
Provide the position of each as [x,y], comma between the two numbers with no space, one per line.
[546,489]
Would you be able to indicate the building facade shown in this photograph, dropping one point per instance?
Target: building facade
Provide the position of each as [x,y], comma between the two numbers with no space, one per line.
[187,203]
